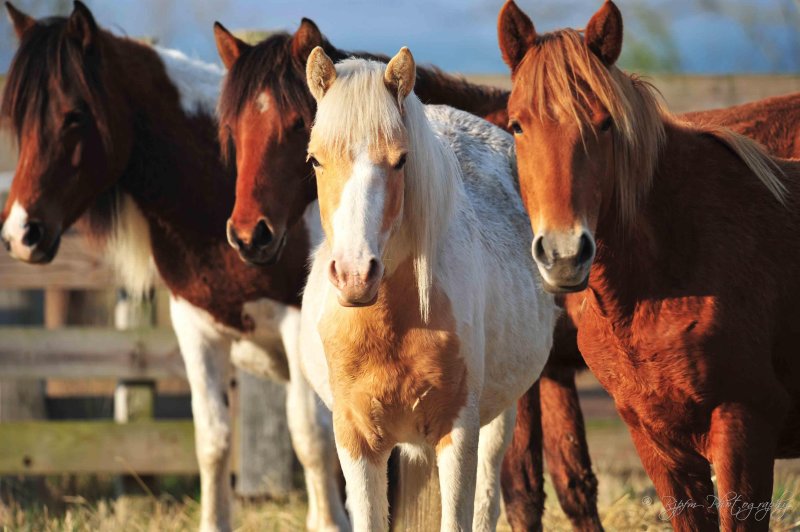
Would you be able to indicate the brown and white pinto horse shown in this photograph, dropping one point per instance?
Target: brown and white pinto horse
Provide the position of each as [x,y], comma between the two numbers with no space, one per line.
[265,113]
[683,235]
[123,136]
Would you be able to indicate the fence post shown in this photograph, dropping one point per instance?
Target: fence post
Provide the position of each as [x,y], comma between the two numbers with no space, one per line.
[265,452]
[134,400]
[416,503]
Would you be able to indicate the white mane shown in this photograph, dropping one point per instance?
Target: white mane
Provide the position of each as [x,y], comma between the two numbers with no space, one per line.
[357,109]
[198,83]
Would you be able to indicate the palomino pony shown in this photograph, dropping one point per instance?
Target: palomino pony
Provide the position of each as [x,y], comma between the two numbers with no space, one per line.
[265,115]
[123,135]
[420,293]
[684,237]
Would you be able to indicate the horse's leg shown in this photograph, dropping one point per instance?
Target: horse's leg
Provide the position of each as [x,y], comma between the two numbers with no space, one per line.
[457,458]
[311,428]
[683,482]
[205,352]
[494,440]
[522,479]
[742,446]
[366,479]
[565,449]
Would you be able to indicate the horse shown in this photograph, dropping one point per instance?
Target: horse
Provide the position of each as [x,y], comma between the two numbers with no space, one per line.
[773,122]
[121,138]
[265,112]
[673,237]
[274,188]
[417,203]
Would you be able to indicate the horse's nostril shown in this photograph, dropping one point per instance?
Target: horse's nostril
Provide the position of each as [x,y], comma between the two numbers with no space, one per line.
[33,234]
[262,236]
[373,270]
[332,273]
[539,253]
[586,250]
[233,238]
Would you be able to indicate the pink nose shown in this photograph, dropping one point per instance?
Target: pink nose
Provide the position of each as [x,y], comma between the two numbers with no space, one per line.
[357,285]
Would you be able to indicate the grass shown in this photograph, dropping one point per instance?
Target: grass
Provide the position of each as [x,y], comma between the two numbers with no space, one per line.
[625,504]
[627,499]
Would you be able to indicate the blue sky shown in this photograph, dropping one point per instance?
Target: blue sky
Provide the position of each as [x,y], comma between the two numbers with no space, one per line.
[696,36]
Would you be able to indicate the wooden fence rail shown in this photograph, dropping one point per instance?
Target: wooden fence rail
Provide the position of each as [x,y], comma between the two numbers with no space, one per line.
[55,447]
[89,352]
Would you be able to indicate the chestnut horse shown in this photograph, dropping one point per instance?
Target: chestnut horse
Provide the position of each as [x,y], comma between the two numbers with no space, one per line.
[679,232]
[265,113]
[123,136]
[774,122]
[422,289]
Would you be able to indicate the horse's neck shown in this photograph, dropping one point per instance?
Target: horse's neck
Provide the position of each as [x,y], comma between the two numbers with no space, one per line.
[174,172]
[434,87]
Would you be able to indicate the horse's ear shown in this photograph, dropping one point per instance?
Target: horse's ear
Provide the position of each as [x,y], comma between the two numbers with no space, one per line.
[20,20]
[81,25]
[320,73]
[229,46]
[306,38]
[604,33]
[516,34]
[401,72]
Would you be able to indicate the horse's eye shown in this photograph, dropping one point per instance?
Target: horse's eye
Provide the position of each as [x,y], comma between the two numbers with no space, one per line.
[314,162]
[299,124]
[606,124]
[401,163]
[72,119]
[515,127]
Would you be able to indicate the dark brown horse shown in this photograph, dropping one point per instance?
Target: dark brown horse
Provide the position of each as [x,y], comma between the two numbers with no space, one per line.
[122,137]
[680,233]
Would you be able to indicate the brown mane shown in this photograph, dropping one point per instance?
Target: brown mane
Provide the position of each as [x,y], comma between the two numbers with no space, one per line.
[562,75]
[271,65]
[48,60]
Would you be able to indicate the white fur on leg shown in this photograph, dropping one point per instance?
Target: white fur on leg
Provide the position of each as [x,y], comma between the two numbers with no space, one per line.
[494,440]
[261,351]
[367,491]
[457,463]
[205,352]
[311,428]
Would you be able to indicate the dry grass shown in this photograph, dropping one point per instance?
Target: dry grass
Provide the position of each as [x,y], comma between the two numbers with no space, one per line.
[627,500]
[625,505]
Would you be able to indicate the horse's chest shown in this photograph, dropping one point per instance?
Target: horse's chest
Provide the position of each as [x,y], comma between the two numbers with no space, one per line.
[216,280]
[393,382]
[652,362]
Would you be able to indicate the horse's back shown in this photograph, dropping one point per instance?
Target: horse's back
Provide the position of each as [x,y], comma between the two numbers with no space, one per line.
[518,317]
[488,167]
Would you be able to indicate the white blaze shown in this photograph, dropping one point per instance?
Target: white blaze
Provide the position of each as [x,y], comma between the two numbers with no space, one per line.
[357,220]
[14,229]
[263,102]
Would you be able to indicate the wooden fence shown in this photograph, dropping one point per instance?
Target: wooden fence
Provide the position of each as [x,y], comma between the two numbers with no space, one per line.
[133,442]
